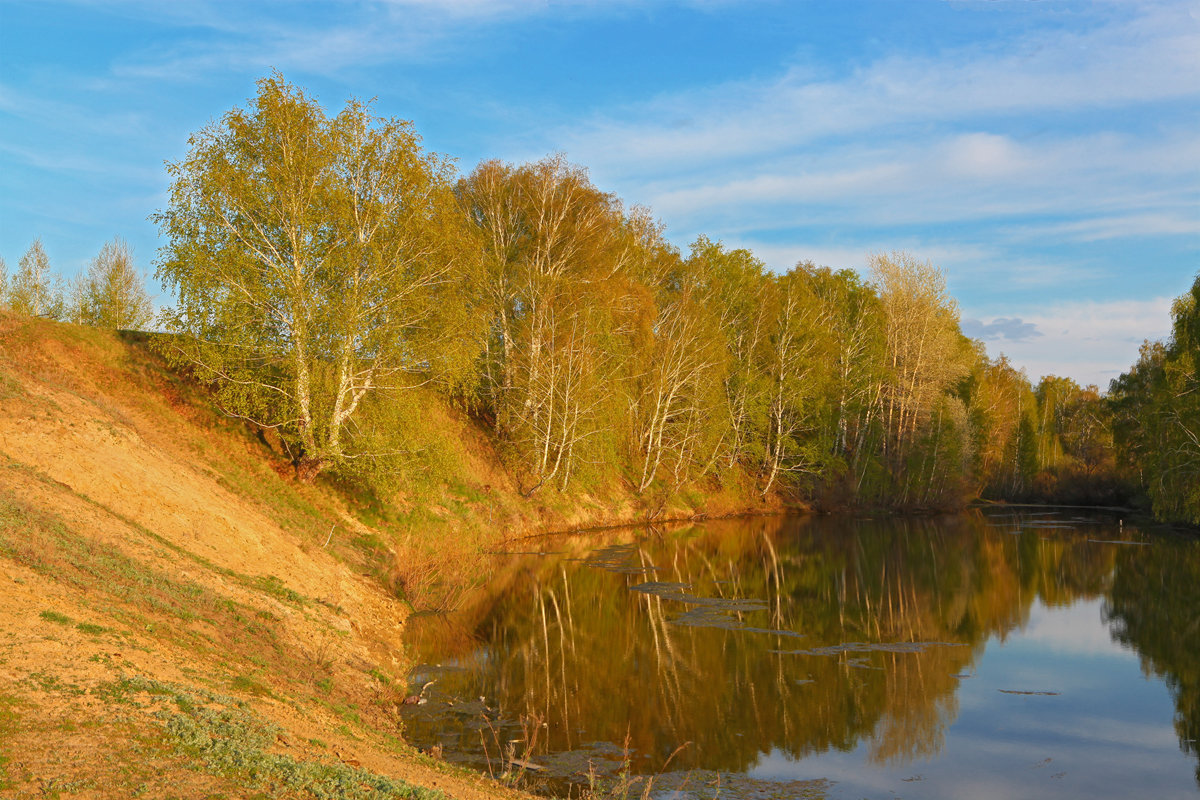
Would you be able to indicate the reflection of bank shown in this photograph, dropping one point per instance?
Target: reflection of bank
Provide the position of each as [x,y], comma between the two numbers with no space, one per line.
[788,636]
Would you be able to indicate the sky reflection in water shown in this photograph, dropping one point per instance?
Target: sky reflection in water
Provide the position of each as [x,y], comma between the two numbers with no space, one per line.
[1010,656]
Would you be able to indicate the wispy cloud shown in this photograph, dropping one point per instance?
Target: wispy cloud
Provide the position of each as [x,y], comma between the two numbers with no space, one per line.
[959,177]
[1167,223]
[1141,54]
[924,140]
[783,256]
[326,41]
[1090,342]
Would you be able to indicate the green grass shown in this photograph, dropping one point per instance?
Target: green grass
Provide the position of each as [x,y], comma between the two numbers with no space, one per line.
[269,584]
[40,541]
[54,616]
[48,682]
[226,738]
[247,684]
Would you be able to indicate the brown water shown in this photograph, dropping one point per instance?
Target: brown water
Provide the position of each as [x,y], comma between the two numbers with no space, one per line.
[1039,654]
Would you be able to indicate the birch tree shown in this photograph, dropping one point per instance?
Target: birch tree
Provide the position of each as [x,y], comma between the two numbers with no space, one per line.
[739,290]
[112,294]
[678,389]
[797,352]
[34,291]
[315,260]
[552,254]
[926,353]
[852,319]
[1004,410]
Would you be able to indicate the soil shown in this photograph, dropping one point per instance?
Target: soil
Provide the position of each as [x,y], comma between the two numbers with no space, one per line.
[135,542]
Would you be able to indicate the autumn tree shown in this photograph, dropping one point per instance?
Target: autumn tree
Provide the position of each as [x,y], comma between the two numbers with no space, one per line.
[738,290]
[1086,430]
[315,261]
[926,356]
[33,290]
[553,270]
[676,387]
[796,355]
[1054,394]
[853,322]
[1004,411]
[112,293]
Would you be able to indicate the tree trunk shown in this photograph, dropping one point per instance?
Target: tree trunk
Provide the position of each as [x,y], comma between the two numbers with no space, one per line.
[308,467]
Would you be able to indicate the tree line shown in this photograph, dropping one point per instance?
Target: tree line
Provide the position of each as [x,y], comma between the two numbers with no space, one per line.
[325,268]
[110,293]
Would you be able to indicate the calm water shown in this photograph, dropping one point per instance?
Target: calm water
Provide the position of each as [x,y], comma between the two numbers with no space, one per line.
[1039,654]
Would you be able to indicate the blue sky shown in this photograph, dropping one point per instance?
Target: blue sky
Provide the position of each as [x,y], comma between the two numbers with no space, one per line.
[1046,155]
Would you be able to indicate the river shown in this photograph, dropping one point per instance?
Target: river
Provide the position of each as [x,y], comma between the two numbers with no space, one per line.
[1018,653]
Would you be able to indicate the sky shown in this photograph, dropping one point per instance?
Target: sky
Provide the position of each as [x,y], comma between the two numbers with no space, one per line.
[1045,154]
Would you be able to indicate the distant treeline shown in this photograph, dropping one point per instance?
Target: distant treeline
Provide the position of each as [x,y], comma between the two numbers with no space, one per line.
[325,266]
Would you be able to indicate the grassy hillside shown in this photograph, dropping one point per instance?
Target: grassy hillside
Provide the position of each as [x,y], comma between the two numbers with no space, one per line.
[181,618]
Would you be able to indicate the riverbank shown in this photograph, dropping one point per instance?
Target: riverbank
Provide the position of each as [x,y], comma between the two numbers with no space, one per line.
[181,617]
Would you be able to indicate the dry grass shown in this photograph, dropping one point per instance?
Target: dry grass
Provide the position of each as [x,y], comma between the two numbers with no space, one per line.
[148,539]
[436,575]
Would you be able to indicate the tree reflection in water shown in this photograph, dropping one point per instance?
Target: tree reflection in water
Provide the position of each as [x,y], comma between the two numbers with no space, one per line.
[794,636]
[1154,607]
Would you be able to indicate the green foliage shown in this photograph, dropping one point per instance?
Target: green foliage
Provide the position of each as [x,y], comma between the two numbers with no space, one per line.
[1155,410]
[317,260]
[319,298]
[556,305]
[112,293]
[33,291]
[1004,411]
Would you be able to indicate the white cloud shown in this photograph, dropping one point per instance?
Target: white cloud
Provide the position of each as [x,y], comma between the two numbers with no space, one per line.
[1167,223]
[936,140]
[984,155]
[1126,61]
[1090,342]
[325,40]
[960,177]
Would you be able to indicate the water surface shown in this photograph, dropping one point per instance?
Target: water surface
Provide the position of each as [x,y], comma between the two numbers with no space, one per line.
[1023,654]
